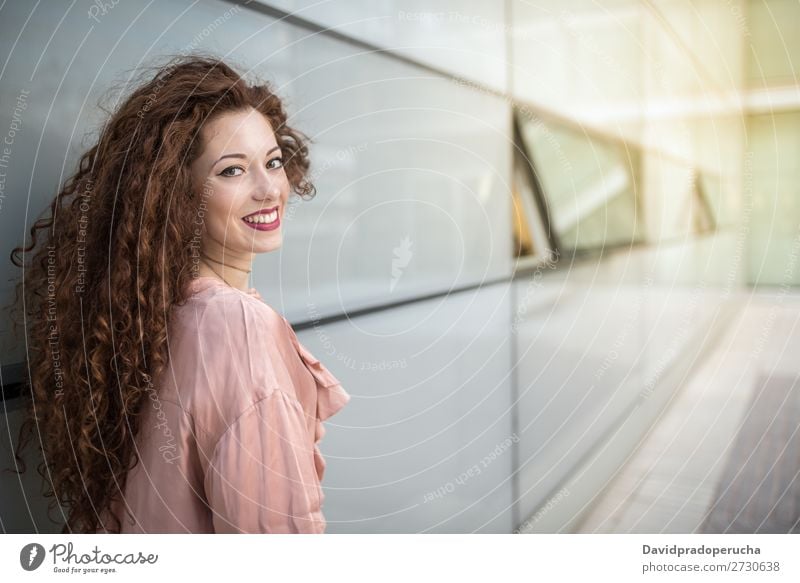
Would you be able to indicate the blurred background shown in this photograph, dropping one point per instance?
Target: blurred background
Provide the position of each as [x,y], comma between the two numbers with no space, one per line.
[552,257]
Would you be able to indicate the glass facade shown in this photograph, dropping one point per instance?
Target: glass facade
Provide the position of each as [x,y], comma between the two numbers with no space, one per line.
[589,184]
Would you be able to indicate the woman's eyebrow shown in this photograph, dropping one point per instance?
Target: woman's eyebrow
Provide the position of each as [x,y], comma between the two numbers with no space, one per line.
[242,156]
[237,155]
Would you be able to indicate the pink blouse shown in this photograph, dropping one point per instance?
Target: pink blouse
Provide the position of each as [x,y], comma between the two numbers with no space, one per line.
[228,439]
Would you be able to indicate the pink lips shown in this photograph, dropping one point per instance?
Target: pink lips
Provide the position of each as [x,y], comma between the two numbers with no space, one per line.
[264,226]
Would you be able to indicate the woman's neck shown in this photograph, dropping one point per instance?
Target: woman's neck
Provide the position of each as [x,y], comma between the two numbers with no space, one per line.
[230,271]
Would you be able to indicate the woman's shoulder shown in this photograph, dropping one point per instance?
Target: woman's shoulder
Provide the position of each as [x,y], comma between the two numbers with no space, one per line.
[211,303]
[229,346]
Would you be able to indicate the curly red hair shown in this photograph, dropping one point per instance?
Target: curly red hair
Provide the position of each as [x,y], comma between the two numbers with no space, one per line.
[105,267]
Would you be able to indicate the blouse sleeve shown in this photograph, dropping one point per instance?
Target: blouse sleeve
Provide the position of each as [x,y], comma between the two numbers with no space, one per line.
[262,477]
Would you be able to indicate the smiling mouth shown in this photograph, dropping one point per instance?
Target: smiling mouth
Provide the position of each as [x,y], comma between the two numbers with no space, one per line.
[265,220]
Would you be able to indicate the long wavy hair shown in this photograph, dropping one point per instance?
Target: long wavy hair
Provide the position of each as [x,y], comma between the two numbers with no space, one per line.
[105,265]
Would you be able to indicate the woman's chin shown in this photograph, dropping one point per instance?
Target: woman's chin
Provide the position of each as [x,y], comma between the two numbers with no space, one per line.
[267,247]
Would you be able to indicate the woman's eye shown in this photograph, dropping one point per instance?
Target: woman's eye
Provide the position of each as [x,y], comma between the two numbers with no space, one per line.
[227,170]
[279,160]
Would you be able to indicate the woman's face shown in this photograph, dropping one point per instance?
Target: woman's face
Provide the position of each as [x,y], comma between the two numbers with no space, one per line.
[243,186]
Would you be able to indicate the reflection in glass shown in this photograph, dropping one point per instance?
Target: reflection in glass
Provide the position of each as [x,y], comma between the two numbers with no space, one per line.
[589,183]
[523,240]
[706,190]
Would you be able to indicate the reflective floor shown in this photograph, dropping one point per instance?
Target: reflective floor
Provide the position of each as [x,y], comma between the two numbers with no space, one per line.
[725,456]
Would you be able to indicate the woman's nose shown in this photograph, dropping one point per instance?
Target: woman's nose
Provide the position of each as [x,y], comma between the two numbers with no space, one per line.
[266,188]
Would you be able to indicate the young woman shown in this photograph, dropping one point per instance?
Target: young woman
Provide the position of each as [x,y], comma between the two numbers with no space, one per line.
[168,397]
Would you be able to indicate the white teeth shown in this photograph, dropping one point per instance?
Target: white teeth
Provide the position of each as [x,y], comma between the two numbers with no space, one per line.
[263,218]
